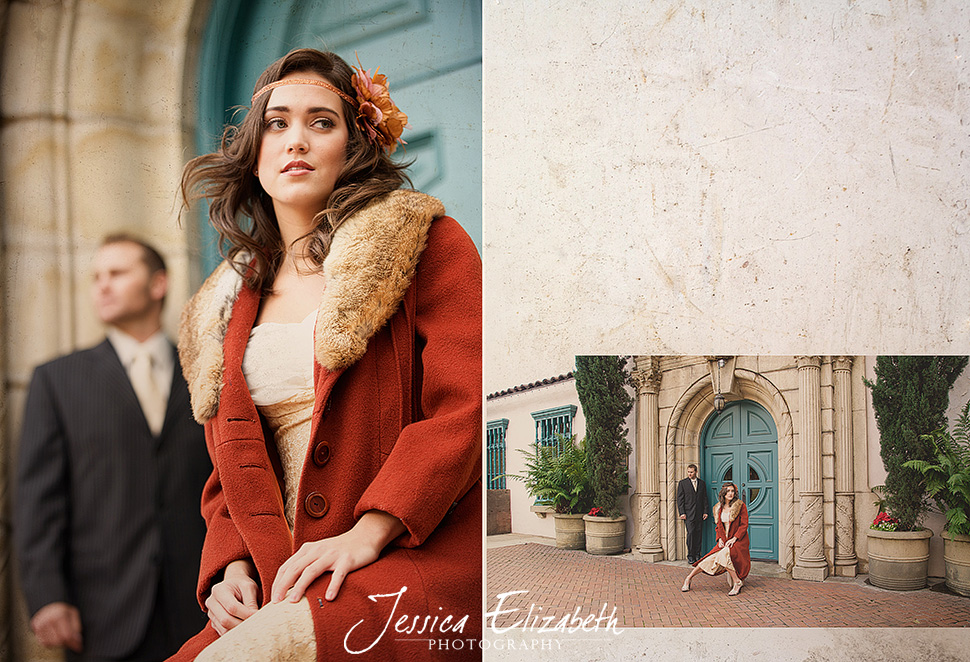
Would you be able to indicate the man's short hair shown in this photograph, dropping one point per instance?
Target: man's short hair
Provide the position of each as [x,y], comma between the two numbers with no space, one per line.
[149,255]
[692,466]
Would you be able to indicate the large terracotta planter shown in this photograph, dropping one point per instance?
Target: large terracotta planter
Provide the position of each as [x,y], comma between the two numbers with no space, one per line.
[898,560]
[956,560]
[570,531]
[605,535]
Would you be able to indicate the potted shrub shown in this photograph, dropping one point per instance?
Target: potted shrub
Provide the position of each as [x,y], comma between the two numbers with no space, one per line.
[557,475]
[601,384]
[947,479]
[910,398]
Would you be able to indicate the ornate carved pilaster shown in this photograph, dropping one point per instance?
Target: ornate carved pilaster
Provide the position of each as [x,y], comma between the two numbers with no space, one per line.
[646,500]
[810,563]
[810,534]
[846,562]
[646,537]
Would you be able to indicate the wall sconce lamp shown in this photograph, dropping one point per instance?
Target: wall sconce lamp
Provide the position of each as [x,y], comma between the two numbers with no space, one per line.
[719,400]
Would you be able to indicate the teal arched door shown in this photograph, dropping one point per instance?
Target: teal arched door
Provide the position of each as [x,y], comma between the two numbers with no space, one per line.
[430,50]
[740,446]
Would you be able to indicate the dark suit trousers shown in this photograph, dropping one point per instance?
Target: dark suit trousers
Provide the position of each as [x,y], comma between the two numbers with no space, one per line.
[695,530]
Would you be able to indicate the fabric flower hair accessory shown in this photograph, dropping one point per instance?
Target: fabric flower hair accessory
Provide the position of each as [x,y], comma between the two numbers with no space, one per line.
[377,115]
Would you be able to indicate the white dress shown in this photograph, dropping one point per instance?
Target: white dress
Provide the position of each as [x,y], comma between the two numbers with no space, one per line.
[715,564]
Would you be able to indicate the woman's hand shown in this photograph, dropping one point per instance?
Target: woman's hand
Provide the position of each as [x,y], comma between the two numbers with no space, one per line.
[730,543]
[234,599]
[720,543]
[340,555]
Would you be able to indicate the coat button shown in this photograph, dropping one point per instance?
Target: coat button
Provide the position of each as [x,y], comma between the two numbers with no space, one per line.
[316,505]
[321,454]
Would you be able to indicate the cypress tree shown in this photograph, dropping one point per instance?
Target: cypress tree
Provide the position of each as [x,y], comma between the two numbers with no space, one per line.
[910,397]
[601,384]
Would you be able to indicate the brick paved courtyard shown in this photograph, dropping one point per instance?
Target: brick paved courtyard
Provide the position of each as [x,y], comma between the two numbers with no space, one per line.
[649,595]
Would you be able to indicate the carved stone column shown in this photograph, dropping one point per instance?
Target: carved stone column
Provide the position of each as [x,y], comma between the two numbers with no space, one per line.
[646,499]
[846,562]
[811,562]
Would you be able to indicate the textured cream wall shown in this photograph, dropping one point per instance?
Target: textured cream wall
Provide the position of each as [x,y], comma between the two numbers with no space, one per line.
[701,177]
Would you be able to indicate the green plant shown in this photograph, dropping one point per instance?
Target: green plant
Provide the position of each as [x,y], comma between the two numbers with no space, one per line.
[601,384]
[558,475]
[910,397]
[947,478]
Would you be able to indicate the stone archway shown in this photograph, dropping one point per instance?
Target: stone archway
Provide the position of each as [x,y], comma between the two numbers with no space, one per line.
[682,441]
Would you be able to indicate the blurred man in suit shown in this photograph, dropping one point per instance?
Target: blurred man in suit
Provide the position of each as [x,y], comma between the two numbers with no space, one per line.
[111,466]
[692,505]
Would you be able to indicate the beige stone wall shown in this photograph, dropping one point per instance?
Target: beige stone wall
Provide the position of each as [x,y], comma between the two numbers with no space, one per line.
[96,103]
[862,432]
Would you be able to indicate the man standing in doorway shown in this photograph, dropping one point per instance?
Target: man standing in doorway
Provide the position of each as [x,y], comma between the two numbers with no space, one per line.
[107,524]
[692,506]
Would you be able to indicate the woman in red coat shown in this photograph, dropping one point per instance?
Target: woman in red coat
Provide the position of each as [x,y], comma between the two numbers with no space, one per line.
[335,361]
[731,553]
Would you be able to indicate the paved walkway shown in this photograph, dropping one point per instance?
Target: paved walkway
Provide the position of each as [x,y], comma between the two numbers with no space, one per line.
[648,594]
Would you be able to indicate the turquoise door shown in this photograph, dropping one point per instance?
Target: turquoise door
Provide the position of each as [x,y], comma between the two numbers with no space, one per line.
[740,445]
[430,50]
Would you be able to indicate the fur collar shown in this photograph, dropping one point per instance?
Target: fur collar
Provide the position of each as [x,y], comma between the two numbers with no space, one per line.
[372,260]
[733,511]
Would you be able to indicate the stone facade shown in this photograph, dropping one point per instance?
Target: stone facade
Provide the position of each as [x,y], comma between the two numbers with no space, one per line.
[818,405]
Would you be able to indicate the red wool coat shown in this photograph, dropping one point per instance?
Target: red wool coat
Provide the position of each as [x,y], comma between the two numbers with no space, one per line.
[738,529]
[396,427]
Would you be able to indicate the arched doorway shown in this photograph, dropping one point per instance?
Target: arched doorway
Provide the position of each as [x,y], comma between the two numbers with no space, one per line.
[430,51]
[740,445]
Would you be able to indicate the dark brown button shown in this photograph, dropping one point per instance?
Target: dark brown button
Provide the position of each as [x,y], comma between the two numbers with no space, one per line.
[321,454]
[316,505]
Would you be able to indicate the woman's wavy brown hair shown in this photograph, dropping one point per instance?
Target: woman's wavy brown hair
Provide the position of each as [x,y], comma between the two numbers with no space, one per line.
[723,493]
[242,212]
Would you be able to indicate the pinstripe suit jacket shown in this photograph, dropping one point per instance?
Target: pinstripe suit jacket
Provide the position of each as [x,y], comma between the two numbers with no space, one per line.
[105,513]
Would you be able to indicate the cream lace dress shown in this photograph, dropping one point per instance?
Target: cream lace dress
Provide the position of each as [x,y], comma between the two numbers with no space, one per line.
[278,366]
[720,562]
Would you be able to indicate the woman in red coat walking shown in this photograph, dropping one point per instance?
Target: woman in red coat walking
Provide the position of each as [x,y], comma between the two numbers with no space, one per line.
[731,553]
[335,360]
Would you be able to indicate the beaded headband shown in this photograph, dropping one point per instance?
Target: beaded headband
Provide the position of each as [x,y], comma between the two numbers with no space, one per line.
[302,81]
[377,116]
